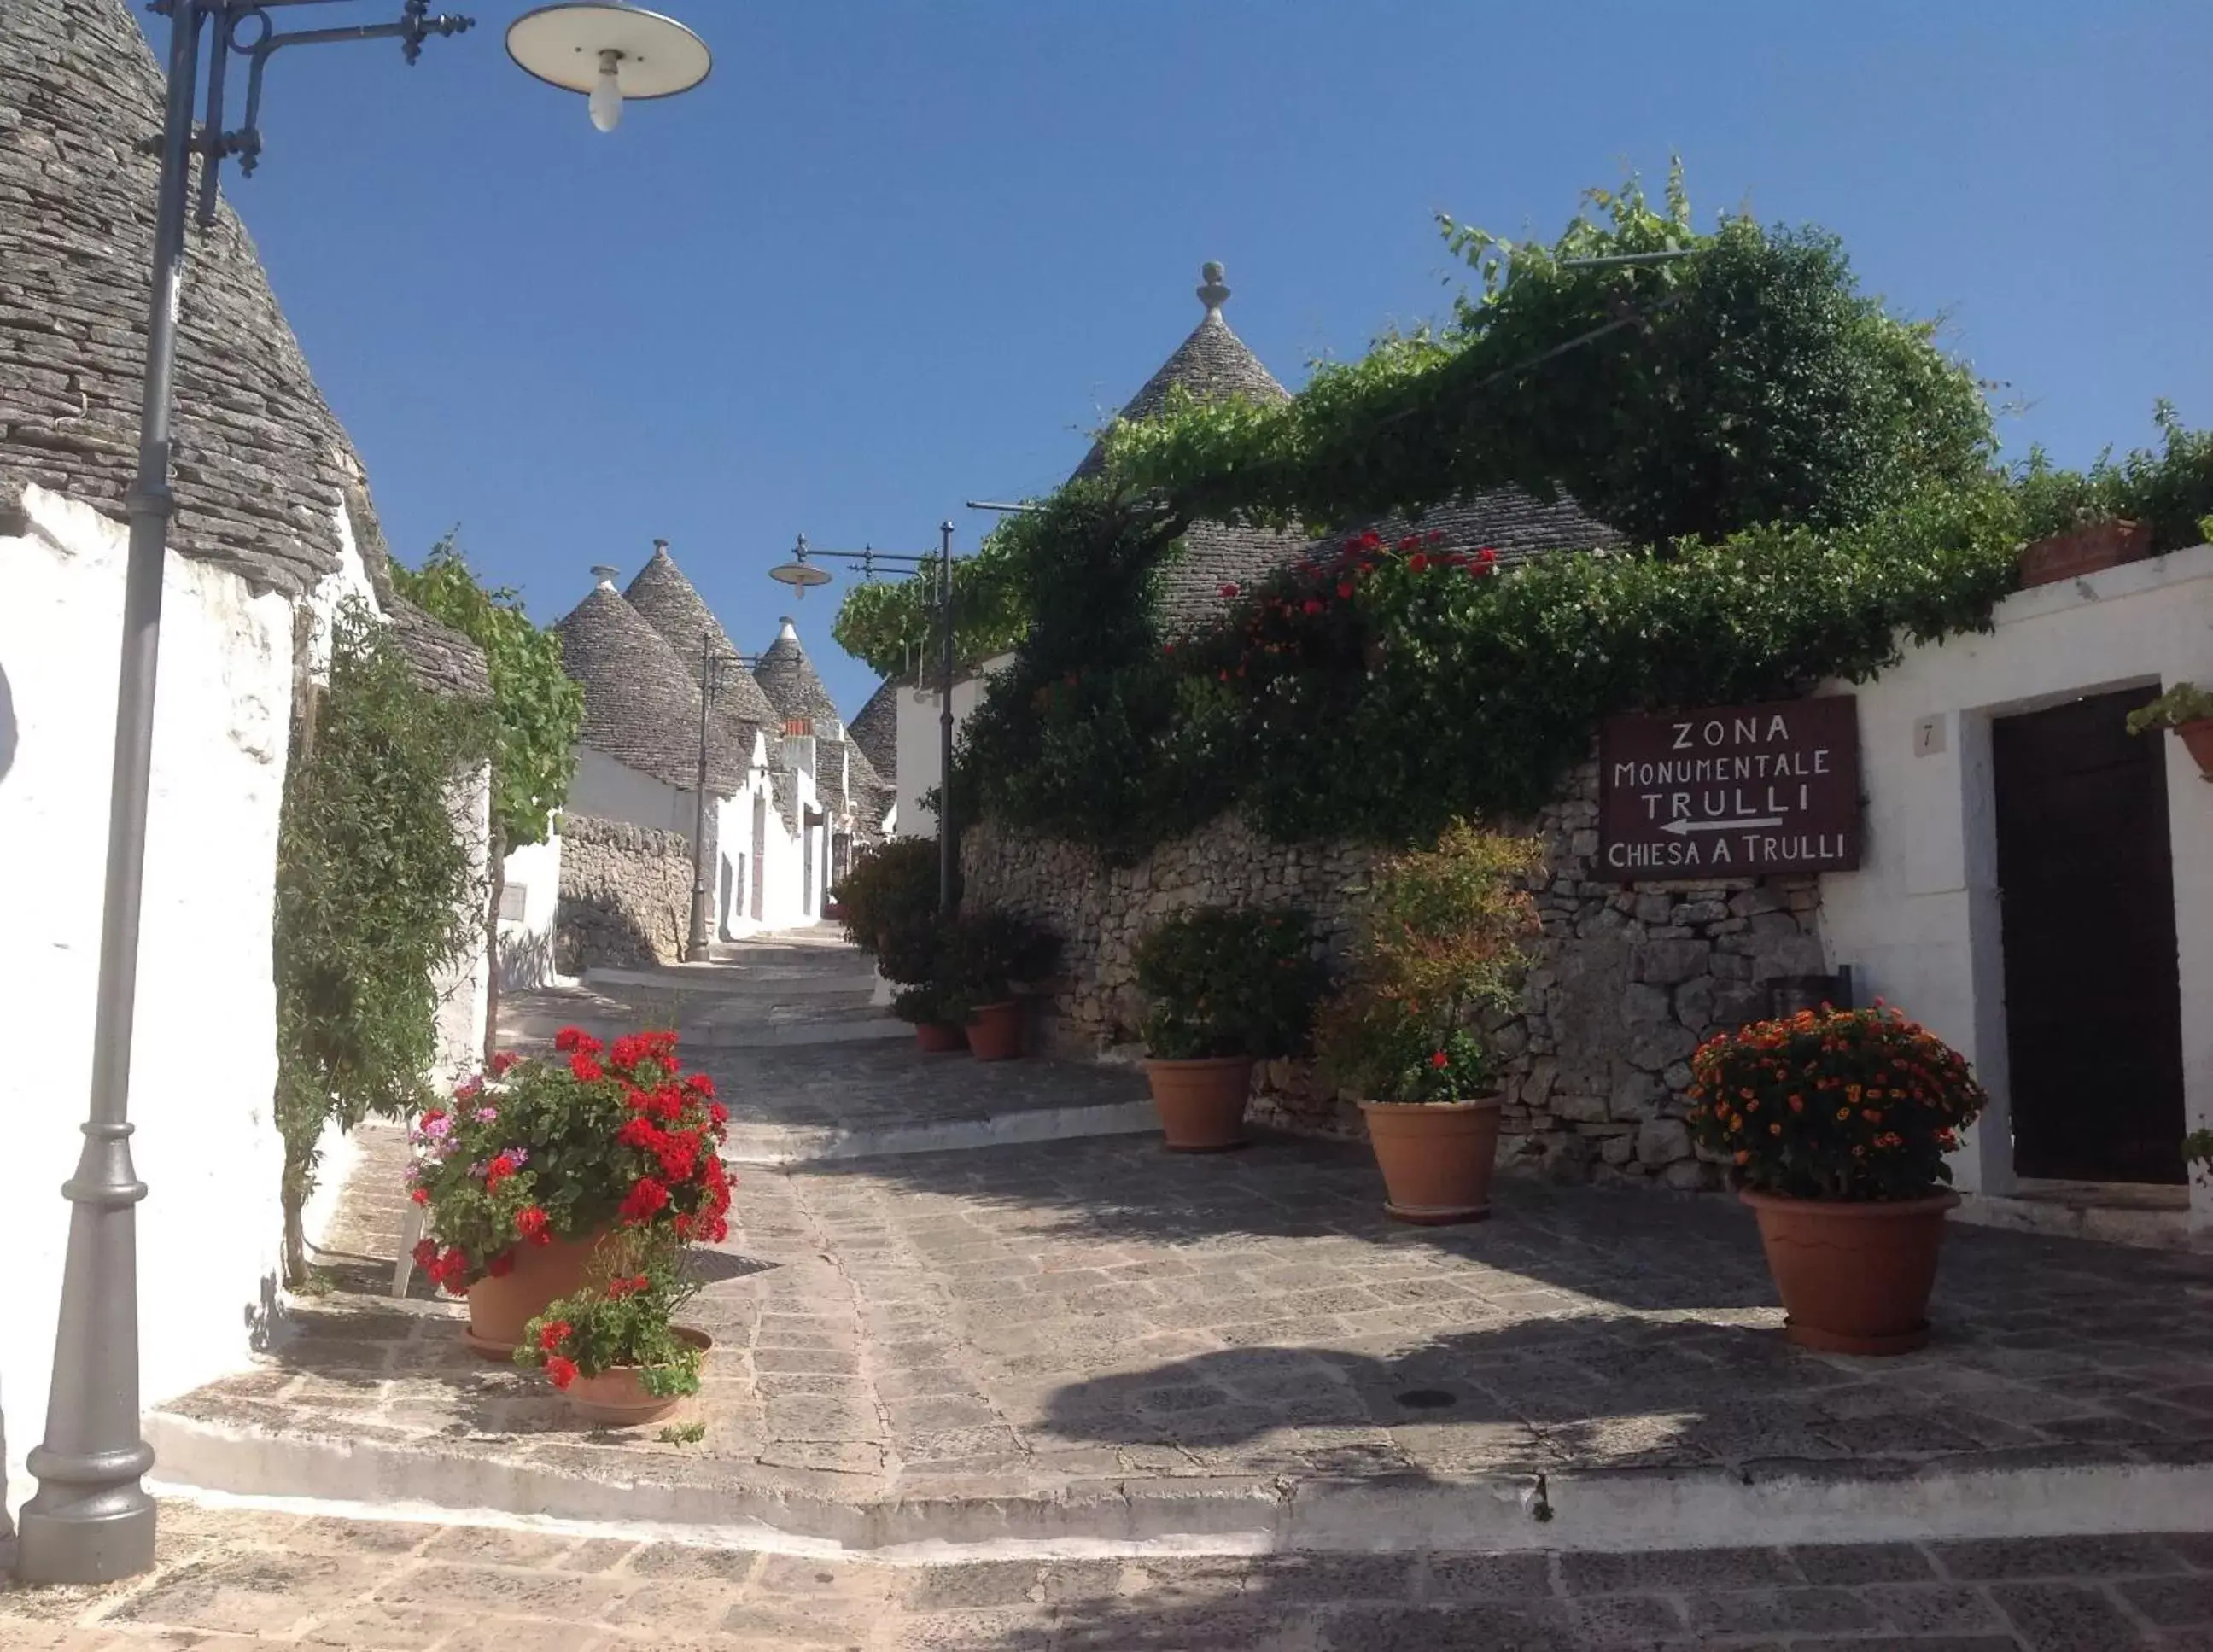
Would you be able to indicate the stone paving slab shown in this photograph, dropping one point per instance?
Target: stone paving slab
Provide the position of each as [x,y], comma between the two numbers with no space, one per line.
[230,1579]
[1097,1339]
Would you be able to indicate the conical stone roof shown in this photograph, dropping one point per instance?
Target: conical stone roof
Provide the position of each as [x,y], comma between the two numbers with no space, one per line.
[673,605]
[1213,364]
[875,729]
[261,464]
[787,677]
[641,707]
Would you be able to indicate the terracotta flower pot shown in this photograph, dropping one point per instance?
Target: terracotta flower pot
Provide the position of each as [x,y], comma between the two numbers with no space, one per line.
[500,1309]
[1436,1157]
[1855,1276]
[2197,737]
[1201,1102]
[937,1039]
[995,1031]
[617,1398]
[2087,549]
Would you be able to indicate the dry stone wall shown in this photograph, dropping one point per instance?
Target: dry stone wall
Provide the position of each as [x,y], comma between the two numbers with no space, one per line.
[626,896]
[1624,982]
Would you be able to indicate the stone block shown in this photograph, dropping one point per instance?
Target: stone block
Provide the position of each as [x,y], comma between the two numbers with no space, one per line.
[1694,1003]
[1642,1004]
[1666,962]
[1654,909]
[1662,1141]
[1636,1095]
[1687,1174]
[1654,1047]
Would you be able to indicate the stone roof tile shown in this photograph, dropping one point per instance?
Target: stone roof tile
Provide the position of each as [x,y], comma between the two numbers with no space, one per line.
[673,606]
[641,707]
[876,730]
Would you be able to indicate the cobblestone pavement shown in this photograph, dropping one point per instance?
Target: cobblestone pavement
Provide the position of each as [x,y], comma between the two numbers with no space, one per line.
[229,1580]
[1031,1319]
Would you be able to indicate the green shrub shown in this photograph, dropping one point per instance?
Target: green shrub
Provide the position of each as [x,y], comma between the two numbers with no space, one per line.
[985,954]
[2184,703]
[2171,489]
[1441,941]
[889,899]
[1229,983]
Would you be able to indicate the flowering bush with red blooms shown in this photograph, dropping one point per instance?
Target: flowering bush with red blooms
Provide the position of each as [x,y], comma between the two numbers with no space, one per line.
[535,1150]
[622,1317]
[1834,1103]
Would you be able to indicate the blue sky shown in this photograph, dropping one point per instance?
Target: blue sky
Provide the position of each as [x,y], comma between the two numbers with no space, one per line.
[893,256]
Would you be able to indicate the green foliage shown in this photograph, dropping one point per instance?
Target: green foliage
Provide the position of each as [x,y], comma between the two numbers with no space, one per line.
[2184,703]
[2198,1151]
[622,1317]
[984,954]
[1834,1103]
[376,893]
[890,901]
[895,627]
[1228,983]
[1749,383]
[1441,941]
[2171,489]
[537,706]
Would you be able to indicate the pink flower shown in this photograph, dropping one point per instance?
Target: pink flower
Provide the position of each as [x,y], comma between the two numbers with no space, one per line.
[1230,588]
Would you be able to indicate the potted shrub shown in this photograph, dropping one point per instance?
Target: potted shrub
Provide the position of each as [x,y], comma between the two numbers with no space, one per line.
[611,1347]
[1836,1122]
[1440,944]
[2188,710]
[537,1161]
[984,954]
[1227,988]
[937,1014]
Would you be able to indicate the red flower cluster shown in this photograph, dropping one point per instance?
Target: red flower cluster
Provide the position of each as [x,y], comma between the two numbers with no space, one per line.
[500,1169]
[534,1225]
[560,1371]
[621,1287]
[646,1199]
[553,1334]
[447,1269]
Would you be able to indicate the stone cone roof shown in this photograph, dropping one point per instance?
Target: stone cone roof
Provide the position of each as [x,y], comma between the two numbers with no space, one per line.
[876,730]
[787,677]
[641,706]
[673,605]
[1213,364]
[261,466]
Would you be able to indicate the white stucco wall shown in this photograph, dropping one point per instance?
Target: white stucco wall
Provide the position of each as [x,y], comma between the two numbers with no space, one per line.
[608,791]
[919,741]
[205,1062]
[461,985]
[525,943]
[1918,920]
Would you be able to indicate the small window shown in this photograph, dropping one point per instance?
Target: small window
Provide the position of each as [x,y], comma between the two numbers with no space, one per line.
[512,898]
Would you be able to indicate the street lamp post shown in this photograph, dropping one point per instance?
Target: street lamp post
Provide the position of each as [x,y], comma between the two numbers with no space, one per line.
[802,573]
[91,1521]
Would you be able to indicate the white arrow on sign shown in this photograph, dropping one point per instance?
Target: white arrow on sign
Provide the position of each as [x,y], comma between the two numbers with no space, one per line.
[1679,827]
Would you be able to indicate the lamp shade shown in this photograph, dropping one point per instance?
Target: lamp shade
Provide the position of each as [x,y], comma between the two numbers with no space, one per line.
[564,45]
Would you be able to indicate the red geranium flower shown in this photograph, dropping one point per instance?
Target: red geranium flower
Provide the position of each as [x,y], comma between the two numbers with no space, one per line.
[640,1132]
[1418,563]
[1441,1059]
[532,1224]
[502,1061]
[500,1169]
[420,1195]
[1230,588]
[645,1198]
[700,1084]
[576,1038]
[426,1255]
[561,1372]
[503,1264]
[550,1336]
[586,1069]
[719,1114]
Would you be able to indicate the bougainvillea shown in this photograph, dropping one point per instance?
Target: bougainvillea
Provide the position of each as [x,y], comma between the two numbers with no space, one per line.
[534,1150]
[1835,1104]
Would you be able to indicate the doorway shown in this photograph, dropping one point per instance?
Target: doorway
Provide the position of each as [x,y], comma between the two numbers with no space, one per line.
[2085,902]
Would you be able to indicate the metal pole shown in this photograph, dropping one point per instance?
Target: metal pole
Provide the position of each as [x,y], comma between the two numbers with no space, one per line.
[91,1521]
[947,858]
[695,944]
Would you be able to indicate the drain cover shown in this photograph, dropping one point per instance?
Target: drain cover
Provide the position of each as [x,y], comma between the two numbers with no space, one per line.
[1427,1399]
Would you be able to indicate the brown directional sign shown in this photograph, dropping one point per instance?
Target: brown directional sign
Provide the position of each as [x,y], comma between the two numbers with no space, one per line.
[1730,791]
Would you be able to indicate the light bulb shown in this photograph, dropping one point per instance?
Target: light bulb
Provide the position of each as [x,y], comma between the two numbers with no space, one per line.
[607,94]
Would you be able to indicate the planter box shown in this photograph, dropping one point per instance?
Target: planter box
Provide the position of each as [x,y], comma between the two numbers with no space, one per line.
[2084,550]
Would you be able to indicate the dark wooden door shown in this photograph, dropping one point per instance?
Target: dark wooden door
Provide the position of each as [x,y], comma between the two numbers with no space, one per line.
[2093,1000]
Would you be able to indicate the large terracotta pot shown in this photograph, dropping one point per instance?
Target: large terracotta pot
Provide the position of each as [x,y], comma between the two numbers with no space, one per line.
[936,1038]
[2198,740]
[1854,1277]
[995,1031]
[617,1398]
[500,1309]
[1201,1102]
[1436,1157]
[2086,549]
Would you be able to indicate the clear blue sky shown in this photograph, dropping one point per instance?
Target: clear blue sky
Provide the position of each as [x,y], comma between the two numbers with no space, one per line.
[892,256]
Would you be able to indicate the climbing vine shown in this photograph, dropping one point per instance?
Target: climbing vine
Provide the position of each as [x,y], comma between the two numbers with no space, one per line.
[376,893]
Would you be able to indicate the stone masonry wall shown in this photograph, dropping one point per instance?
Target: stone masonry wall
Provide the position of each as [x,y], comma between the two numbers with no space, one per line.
[1624,982]
[625,895]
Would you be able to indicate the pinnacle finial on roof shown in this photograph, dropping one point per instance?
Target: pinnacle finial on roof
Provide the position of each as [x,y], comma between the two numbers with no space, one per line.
[1213,294]
[661,546]
[605,574]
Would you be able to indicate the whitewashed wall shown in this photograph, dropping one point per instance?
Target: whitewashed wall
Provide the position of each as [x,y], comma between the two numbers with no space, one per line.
[461,985]
[205,1064]
[919,738]
[1918,922]
[608,791]
[525,943]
